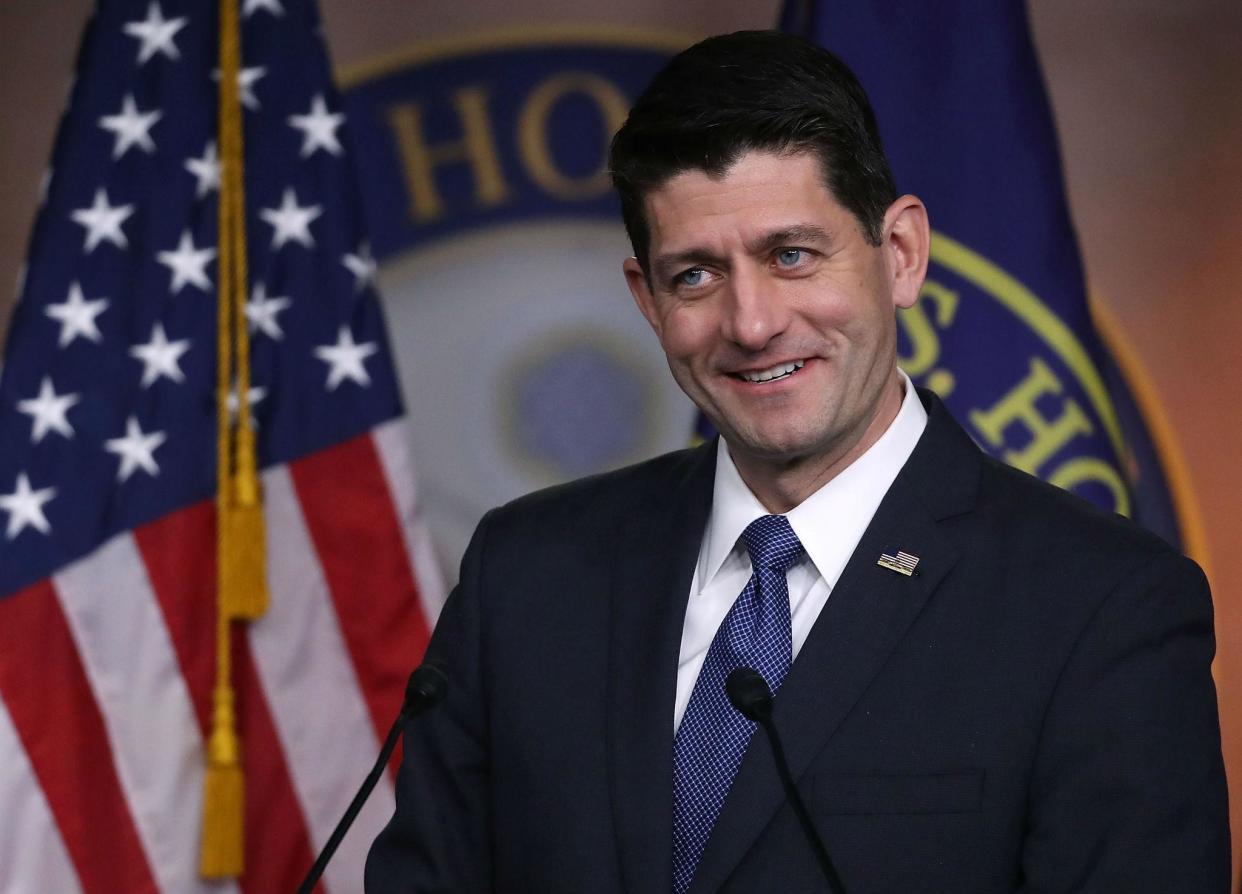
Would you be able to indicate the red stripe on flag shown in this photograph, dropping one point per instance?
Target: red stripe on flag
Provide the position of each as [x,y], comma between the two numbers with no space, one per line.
[352,521]
[178,551]
[49,698]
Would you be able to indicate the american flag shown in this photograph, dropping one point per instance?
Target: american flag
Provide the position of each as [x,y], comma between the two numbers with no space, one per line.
[107,473]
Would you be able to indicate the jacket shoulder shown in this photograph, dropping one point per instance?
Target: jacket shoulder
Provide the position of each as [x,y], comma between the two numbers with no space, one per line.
[1041,519]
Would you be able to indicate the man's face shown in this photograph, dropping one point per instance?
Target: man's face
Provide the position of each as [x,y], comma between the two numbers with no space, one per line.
[775,313]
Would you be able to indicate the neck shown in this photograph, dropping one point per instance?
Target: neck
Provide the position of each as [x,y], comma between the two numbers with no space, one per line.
[782,484]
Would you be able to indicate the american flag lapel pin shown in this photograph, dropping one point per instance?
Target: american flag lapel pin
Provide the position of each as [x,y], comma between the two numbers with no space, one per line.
[901,562]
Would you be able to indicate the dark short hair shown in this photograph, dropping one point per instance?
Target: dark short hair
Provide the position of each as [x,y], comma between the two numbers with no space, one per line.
[752,90]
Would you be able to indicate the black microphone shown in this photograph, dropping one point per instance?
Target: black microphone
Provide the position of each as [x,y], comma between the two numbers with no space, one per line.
[426,688]
[749,693]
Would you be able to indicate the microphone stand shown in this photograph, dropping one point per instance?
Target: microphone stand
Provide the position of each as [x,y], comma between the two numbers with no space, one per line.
[426,688]
[750,695]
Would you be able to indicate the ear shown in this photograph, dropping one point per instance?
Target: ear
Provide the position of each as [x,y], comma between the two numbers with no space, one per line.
[640,288]
[906,243]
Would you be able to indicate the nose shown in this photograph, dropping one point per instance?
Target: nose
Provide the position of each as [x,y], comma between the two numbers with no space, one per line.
[754,312]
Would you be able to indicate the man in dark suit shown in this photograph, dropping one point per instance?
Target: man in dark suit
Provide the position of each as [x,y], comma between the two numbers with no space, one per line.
[983,685]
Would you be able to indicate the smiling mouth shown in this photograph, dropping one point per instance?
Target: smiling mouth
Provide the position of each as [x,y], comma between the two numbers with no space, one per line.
[771,374]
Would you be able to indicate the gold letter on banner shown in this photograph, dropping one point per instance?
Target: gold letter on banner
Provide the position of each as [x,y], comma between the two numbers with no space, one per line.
[533,133]
[1047,435]
[419,159]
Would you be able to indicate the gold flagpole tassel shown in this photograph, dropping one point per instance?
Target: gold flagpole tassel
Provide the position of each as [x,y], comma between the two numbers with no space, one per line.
[243,565]
[241,590]
[244,569]
[222,855]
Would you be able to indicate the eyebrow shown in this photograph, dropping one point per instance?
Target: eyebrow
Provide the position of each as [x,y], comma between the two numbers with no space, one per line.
[666,265]
[795,235]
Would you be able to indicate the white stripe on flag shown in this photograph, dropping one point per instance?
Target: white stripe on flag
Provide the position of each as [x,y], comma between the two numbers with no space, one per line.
[133,670]
[392,444]
[32,852]
[308,677]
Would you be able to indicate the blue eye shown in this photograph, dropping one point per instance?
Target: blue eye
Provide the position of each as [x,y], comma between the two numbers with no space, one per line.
[788,257]
[692,277]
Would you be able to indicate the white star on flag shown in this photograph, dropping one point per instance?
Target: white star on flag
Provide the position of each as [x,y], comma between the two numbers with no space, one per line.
[291,222]
[261,312]
[160,357]
[345,358]
[362,266]
[254,394]
[246,79]
[47,411]
[77,316]
[252,6]
[318,128]
[187,264]
[103,222]
[156,34]
[206,170]
[130,127]
[136,449]
[25,507]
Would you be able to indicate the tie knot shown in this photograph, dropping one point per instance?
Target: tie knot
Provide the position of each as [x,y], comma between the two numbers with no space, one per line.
[772,543]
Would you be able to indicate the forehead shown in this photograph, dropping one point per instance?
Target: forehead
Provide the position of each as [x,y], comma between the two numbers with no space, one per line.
[761,191]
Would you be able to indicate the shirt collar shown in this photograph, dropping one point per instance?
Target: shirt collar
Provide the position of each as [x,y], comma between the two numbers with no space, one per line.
[829,522]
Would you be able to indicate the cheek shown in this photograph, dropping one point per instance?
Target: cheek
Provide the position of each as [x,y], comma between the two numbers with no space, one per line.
[828,302]
[686,335]
[859,315]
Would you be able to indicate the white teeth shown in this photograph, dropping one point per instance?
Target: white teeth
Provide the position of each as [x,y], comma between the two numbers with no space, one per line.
[776,372]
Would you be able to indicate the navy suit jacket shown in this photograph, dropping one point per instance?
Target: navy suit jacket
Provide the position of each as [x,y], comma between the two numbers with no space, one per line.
[1033,711]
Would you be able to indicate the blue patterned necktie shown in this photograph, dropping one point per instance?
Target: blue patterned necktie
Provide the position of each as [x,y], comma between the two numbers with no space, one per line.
[713,736]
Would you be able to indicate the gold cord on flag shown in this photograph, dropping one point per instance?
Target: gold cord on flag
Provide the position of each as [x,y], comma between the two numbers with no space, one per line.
[241,585]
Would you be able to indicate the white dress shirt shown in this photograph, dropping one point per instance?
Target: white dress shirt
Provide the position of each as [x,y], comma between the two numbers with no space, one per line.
[829,522]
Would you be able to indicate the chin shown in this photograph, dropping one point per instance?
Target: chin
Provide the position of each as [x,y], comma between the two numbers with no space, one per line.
[776,446]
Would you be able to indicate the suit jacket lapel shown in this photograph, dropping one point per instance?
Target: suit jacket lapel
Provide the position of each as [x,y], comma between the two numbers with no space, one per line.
[655,556]
[868,613]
